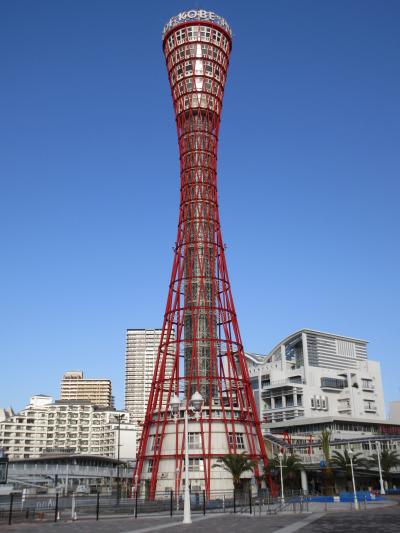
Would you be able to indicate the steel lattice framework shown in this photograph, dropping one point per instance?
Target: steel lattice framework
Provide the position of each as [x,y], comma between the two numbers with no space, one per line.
[206,351]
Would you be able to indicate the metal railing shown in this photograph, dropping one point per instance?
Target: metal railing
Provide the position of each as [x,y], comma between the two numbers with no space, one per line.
[17,508]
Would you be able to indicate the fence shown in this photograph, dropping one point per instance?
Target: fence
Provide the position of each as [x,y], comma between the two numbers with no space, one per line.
[17,508]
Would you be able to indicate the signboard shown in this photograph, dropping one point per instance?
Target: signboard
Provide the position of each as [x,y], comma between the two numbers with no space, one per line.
[199,15]
[322,464]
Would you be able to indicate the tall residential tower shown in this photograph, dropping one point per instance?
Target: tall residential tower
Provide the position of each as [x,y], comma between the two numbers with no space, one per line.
[140,360]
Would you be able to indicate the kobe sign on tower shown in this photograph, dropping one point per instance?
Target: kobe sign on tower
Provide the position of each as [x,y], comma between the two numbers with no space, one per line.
[206,351]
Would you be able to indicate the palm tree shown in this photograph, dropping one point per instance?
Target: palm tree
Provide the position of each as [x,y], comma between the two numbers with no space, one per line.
[389,460]
[342,461]
[236,464]
[291,465]
[329,479]
[326,444]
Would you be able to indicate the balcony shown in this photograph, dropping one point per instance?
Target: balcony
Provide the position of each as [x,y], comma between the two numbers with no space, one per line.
[368,386]
[370,409]
[333,384]
[289,381]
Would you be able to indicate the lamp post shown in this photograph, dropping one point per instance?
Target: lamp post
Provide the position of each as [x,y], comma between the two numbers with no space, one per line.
[195,405]
[378,453]
[356,506]
[118,418]
[280,457]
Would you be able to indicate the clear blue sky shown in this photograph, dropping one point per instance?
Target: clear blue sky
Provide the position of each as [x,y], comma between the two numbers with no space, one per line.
[308,179]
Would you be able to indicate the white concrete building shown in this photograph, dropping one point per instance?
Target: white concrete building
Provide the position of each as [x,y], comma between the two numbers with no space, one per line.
[314,375]
[97,391]
[78,427]
[141,356]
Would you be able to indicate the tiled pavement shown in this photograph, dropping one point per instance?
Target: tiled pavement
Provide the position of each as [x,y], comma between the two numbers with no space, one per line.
[211,523]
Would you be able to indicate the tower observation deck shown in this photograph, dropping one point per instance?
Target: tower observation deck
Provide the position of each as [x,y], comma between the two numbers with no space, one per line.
[200,333]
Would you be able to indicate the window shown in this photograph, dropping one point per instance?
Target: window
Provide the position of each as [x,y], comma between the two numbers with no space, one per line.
[367,384]
[196,464]
[194,440]
[156,442]
[188,68]
[312,403]
[239,440]
[369,405]
[333,383]
[150,466]
[299,399]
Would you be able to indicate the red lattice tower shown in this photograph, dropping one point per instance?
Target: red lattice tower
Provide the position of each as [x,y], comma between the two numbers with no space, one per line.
[206,352]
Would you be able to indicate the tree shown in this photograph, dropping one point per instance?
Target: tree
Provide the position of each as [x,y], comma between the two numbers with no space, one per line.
[236,464]
[328,477]
[342,461]
[389,460]
[326,445]
[291,466]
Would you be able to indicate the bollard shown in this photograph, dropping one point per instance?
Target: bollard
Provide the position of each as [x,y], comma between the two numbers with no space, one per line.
[204,502]
[98,505]
[171,503]
[10,509]
[56,516]
[136,497]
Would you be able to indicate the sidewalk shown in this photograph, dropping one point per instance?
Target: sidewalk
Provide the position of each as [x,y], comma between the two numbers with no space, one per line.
[217,523]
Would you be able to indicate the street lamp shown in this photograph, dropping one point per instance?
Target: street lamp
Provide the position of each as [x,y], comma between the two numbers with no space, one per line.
[280,457]
[118,418]
[351,453]
[378,453]
[194,405]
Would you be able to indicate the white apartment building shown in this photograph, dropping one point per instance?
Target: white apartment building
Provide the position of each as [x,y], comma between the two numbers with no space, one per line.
[74,427]
[75,387]
[313,375]
[141,356]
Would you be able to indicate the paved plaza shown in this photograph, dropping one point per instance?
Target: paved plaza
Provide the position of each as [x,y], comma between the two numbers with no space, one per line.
[373,520]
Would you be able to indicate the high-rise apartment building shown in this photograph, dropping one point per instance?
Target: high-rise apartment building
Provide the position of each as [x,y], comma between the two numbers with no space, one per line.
[97,391]
[141,355]
[74,427]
